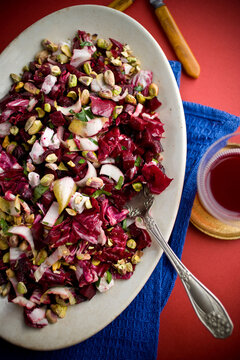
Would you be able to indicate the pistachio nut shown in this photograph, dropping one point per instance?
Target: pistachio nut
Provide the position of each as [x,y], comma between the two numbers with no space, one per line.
[95,182]
[41,56]
[31,88]
[21,288]
[140,98]
[59,310]
[62,167]
[116,90]
[73,267]
[153,89]
[14,130]
[90,155]
[29,219]
[17,220]
[3,244]
[47,107]
[16,78]
[87,68]
[105,94]
[88,204]
[19,86]
[35,128]
[55,70]
[7,289]
[62,59]
[109,77]
[49,45]
[24,245]
[71,212]
[116,61]
[11,147]
[96,262]
[41,256]
[72,95]
[56,265]
[131,244]
[47,179]
[117,111]
[103,44]
[85,97]
[51,158]
[85,80]
[6,258]
[66,50]
[72,80]
[71,163]
[30,167]
[10,273]
[137,186]
[13,241]
[51,317]
[29,122]
[32,140]
[5,142]
[40,111]
[130,99]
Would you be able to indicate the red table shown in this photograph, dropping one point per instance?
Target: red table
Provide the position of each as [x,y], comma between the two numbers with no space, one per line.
[211,28]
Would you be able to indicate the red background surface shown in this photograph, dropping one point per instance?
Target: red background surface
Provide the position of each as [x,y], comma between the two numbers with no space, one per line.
[212,29]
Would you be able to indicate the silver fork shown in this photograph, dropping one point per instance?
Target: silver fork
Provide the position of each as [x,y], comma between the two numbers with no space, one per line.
[207,307]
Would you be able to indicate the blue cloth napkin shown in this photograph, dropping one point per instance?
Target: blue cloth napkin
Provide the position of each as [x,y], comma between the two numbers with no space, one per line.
[134,334]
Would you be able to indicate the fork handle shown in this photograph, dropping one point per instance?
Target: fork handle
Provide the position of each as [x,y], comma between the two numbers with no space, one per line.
[207,307]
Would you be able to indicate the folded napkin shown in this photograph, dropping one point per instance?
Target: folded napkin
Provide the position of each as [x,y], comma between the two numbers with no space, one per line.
[134,334]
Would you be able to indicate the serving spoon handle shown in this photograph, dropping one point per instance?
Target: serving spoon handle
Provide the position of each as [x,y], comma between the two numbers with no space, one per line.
[206,305]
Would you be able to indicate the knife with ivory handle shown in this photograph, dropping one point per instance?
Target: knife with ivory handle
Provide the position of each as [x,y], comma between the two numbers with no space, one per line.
[181,48]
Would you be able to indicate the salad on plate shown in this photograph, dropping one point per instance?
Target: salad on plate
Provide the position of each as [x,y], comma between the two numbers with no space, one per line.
[79,138]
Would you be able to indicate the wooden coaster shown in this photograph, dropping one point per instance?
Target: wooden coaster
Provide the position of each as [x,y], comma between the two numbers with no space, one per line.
[205,222]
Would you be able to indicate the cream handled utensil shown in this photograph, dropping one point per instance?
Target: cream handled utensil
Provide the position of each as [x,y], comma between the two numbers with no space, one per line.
[175,37]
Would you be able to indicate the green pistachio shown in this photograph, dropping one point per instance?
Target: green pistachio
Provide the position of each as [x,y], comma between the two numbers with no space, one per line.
[131,244]
[72,94]
[137,186]
[32,140]
[130,99]
[47,179]
[49,45]
[55,70]
[87,68]
[117,111]
[47,107]
[72,80]
[85,80]
[40,111]
[14,130]
[66,50]
[35,128]
[19,86]
[62,59]
[16,78]
[51,158]
[102,43]
[21,288]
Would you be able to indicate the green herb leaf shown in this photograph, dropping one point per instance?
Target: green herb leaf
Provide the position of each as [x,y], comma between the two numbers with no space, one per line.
[97,283]
[39,191]
[7,179]
[124,225]
[138,161]
[25,168]
[86,43]
[138,88]
[4,225]
[83,115]
[100,192]
[93,141]
[82,161]
[109,276]
[119,183]
[70,136]
[124,147]
[50,124]
[59,220]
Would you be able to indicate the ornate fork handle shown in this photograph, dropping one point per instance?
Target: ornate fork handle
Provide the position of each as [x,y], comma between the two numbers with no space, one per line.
[207,307]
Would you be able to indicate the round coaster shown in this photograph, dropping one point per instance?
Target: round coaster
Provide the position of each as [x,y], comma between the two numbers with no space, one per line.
[205,222]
